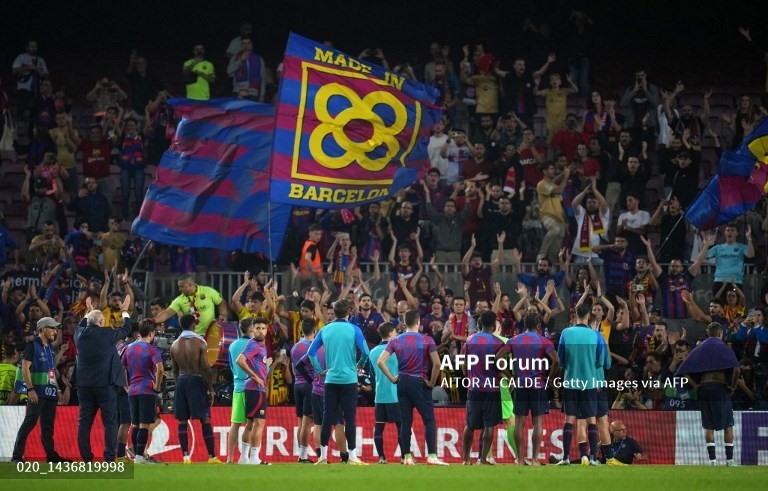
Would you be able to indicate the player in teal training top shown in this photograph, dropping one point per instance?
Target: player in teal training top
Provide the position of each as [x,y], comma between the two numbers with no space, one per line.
[387,409]
[345,349]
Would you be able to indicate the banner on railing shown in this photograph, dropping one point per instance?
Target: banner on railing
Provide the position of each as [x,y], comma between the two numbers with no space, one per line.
[665,437]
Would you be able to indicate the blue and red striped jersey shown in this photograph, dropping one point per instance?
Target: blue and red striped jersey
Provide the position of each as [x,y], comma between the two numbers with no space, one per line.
[139,360]
[412,350]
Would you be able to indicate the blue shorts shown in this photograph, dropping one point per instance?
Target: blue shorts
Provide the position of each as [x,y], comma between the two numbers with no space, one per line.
[123,407]
[387,412]
[255,404]
[602,403]
[191,398]
[318,406]
[483,410]
[302,395]
[143,408]
[580,403]
[716,407]
[530,400]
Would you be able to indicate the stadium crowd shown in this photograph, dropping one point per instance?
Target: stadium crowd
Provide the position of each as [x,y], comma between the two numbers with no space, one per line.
[593,198]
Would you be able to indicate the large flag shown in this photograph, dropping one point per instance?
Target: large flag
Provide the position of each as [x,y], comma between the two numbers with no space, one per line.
[348,132]
[741,181]
[212,185]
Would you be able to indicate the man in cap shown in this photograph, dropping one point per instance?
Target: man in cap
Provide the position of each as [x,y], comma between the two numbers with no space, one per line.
[38,368]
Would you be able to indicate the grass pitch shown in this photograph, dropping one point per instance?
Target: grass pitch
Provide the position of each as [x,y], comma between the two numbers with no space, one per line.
[337,477]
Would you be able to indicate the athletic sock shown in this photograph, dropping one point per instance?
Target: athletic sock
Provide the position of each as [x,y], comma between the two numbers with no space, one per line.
[303,452]
[711,451]
[593,439]
[511,440]
[324,452]
[245,452]
[567,439]
[378,439]
[183,439]
[134,439]
[208,437]
[607,451]
[141,440]
[583,449]
[352,454]
[729,451]
[255,459]
[121,449]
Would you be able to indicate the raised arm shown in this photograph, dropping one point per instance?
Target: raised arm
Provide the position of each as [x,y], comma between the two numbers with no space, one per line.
[468,256]
[750,245]
[693,309]
[655,268]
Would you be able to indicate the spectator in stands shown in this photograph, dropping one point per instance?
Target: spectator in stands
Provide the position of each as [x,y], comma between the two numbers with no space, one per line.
[80,242]
[30,69]
[633,223]
[530,159]
[446,229]
[729,257]
[639,103]
[447,90]
[478,277]
[132,166]
[7,244]
[519,88]
[105,94]
[438,192]
[484,134]
[592,223]
[477,168]
[550,190]
[618,264]
[112,242]
[41,209]
[674,281]
[556,105]
[248,73]
[485,83]
[141,87]
[46,245]
[159,127]
[674,232]
[236,44]
[199,74]
[91,206]
[310,262]
[455,153]
[66,139]
[507,219]
[685,176]
[436,142]
[404,223]
[96,156]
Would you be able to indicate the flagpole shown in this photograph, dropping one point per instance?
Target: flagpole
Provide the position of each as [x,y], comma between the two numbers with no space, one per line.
[669,234]
[269,238]
[140,257]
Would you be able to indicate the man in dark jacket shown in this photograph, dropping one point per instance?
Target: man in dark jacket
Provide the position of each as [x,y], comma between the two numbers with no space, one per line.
[98,372]
[91,206]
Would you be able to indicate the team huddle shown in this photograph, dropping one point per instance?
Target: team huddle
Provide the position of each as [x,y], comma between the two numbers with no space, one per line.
[405,366]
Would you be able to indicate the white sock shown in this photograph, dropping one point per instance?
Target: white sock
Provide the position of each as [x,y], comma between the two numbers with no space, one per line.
[245,450]
[324,452]
[255,459]
[303,452]
[352,454]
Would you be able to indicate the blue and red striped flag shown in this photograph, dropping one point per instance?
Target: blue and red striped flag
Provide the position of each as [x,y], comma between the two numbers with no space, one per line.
[348,132]
[739,185]
[212,184]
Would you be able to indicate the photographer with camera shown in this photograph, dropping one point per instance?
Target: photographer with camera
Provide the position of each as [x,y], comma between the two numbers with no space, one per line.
[106,93]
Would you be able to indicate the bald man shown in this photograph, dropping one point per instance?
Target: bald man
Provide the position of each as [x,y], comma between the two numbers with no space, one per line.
[625,449]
